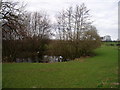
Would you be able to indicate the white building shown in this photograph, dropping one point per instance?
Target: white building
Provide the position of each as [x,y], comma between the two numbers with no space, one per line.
[106,38]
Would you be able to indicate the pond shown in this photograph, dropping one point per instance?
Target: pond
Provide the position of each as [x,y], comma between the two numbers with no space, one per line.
[46,59]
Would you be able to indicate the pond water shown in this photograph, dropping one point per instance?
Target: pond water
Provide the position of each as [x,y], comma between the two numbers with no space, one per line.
[46,58]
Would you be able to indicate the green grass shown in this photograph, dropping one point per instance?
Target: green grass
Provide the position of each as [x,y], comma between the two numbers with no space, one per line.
[99,71]
[0,75]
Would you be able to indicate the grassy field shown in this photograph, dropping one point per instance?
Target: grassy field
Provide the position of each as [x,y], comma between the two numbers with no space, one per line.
[100,71]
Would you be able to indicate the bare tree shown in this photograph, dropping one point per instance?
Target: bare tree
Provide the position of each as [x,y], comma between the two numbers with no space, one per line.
[73,22]
[12,20]
[13,27]
[61,24]
[40,25]
[38,30]
[75,28]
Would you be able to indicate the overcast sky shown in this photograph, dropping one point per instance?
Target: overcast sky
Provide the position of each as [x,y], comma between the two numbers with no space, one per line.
[104,12]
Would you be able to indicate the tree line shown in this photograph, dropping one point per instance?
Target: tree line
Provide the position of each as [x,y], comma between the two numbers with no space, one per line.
[29,34]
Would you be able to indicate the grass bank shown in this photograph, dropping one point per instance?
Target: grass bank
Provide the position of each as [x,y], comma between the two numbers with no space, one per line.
[99,71]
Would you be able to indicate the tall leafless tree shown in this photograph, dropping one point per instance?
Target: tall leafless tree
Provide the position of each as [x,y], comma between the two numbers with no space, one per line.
[74,26]
[13,26]
[73,22]
[39,24]
[12,20]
